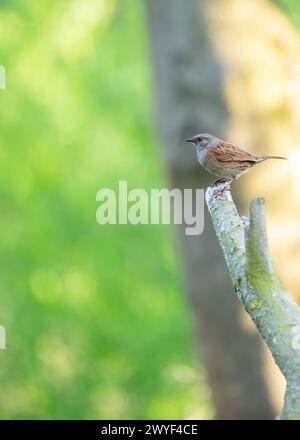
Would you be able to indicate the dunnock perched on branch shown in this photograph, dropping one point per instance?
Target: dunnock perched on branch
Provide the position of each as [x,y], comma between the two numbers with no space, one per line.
[223,159]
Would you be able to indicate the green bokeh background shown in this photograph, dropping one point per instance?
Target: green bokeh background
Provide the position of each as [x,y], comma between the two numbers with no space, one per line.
[96,319]
[97,326]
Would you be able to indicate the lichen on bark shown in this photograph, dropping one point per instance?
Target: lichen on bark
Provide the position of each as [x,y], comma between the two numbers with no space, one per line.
[275,314]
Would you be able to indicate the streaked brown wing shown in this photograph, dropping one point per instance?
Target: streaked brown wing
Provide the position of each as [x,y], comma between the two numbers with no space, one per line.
[226,152]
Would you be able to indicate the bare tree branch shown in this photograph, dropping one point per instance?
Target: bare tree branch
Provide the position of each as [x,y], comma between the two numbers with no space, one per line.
[250,265]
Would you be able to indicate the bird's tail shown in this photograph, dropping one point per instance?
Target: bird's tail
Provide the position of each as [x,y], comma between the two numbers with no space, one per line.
[262,158]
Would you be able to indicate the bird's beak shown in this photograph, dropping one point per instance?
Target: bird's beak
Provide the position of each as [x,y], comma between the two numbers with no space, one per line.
[189,140]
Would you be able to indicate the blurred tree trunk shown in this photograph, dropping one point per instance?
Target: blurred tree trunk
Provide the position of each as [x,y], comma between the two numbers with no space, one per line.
[189,82]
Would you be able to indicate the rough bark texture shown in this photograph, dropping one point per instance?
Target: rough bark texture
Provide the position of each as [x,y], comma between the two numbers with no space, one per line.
[275,314]
[189,81]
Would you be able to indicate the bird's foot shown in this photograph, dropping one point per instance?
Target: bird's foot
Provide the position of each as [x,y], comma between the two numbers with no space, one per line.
[220,187]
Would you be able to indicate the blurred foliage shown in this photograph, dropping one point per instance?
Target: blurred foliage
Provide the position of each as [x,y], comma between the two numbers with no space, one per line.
[97,325]
[291,8]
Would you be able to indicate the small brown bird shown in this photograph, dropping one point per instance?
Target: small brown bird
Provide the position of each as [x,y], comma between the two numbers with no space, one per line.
[223,159]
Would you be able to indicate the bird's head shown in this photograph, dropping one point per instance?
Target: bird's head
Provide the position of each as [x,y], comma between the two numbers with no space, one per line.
[203,140]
